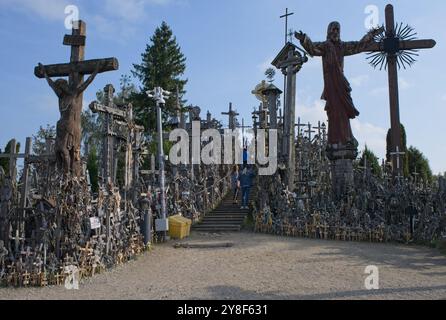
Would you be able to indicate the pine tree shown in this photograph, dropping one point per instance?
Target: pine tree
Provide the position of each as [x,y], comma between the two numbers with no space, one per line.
[4,163]
[372,161]
[162,65]
[418,162]
[92,166]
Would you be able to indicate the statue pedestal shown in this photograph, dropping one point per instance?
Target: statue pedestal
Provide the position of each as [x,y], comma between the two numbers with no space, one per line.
[341,157]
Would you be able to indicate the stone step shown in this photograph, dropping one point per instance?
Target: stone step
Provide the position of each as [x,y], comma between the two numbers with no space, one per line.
[218,221]
[223,218]
[211,228]
[226,216]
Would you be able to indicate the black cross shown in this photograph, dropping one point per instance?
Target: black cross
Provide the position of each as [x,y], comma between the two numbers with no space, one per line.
[286,15]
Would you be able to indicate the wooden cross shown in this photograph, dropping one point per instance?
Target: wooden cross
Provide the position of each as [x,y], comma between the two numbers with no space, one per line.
[13,156]
[110,112]
[72,96]
[300,125]
[232,117]
[395,49]
[310,131]
[364,167]
[77,67]
[321,130]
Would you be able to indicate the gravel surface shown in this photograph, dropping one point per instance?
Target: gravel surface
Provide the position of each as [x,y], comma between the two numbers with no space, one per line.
[263,267]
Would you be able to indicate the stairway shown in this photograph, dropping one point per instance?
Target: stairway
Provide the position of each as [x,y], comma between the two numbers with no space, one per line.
[228,217]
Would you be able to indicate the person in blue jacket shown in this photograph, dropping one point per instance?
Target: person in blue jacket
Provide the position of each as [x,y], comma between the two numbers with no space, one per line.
[246,179]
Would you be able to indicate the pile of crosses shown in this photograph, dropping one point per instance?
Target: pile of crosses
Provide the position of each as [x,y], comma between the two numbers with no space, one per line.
[192,190]
[51,223]
[375,209]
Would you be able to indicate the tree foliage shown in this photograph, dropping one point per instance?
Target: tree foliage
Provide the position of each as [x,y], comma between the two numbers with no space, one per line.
[372,161]
[162,65]
[4,162]
[419,163]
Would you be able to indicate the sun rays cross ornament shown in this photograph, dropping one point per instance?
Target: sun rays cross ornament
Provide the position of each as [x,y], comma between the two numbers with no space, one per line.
[394,48]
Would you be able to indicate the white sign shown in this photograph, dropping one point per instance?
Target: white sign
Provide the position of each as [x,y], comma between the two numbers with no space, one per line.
[95,223]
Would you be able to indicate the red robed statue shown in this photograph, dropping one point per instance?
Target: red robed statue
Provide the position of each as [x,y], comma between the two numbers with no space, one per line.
[337,92]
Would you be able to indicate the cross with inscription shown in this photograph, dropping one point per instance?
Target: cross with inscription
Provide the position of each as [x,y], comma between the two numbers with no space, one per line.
[70,94]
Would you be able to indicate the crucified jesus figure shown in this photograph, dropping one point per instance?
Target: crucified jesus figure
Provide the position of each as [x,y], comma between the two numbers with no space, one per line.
[68,140]
[337,92]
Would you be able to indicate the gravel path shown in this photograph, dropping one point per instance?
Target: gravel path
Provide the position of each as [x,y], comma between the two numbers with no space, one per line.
[263,267]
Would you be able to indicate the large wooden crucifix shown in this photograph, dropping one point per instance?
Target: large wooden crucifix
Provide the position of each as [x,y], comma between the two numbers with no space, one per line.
[70,94]
[394,49]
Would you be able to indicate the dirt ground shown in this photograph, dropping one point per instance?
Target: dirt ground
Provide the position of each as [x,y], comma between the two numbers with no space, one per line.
[263,267]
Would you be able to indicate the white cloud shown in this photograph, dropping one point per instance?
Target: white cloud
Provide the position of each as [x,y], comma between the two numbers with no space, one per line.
[359,80]
[131,10]
[262,67]
[52,10]
[404,84]
[372,136]
[366,133]
[443,98]
[379,91]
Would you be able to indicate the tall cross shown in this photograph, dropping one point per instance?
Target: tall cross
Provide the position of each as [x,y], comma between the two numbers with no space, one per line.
[286,15]
[320,130]
[13,156]
[70,94]
[300,125]
[364,167]
[310,131]
[133,146]
[395,49]
[110,112]
[232,117]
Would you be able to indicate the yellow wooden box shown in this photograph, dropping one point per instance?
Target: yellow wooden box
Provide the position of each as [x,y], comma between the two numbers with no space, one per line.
[188,222]
[177,228]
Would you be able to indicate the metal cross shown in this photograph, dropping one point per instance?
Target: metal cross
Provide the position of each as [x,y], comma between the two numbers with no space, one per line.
[398,155]
[286,15]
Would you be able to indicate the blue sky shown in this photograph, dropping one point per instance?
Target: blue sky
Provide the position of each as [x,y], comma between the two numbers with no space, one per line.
[228,45]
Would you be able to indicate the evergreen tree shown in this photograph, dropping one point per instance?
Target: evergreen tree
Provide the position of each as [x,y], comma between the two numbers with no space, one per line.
[418,161]
[4,162]
[92,166]
[404,159]
[162,65]
[372,161]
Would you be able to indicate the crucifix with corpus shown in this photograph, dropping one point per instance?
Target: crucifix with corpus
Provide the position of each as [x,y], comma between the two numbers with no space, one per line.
[70,94]
[393,46]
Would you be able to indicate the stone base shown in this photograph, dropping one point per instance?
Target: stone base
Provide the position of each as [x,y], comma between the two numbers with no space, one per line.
[342,175]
